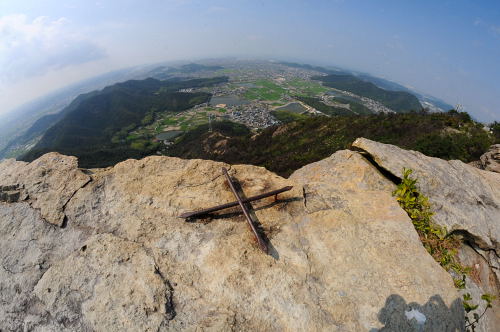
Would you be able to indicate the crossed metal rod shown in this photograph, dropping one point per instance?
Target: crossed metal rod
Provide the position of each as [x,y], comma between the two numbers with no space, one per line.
[241,202]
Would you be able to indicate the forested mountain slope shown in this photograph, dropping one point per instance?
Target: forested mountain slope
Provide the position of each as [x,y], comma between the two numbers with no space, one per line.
[285,148]
[399,101]
[87,129]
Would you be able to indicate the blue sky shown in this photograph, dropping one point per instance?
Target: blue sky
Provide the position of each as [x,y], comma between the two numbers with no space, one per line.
[449,49]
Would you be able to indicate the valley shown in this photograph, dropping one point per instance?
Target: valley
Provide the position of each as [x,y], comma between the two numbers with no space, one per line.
[267,113]
[258,94]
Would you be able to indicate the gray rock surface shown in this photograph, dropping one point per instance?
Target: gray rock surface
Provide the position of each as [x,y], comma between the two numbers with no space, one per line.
[47,183]
[344,256]
[490,160]
[483,279]
[28,248]
[466,200]
[109,284]
[463,197]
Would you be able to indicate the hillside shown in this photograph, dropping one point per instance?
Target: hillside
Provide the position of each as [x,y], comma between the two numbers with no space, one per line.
[436,103]
[331,110]
[285,148]
[399,101]
[39,127]
[105,250]
[279,104]
[89,124]
[14,124]
[432,102]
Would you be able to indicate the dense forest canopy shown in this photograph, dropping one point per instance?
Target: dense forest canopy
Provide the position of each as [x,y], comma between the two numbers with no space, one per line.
[285,148]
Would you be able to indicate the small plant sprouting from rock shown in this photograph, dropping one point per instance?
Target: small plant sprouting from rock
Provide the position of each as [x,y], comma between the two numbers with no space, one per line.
[442,245]
[436,240]
[471,325]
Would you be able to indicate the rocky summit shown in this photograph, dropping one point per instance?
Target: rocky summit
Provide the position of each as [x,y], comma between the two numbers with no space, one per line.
[105,250]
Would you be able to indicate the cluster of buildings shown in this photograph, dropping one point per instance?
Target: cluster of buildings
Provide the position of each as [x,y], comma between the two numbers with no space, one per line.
[371,104]
[255,115]
[375,106]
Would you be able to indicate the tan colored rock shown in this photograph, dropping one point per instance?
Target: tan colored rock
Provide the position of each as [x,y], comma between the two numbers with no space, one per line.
[109,284]
[344,256]
[476,164]
[48,183]
[463,197]
[490,160]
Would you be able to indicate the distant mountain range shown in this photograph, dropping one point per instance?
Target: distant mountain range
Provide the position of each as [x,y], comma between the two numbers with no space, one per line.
[17,122]
[22,127]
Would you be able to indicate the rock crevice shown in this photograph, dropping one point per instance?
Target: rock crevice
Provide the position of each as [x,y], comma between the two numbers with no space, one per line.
[463,197]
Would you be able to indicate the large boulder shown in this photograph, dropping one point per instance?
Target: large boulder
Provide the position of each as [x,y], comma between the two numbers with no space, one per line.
[343,255]
[490,160]
[47,183]
[464,199]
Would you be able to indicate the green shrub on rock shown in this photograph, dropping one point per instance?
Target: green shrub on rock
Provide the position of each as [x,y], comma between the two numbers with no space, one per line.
[442,246]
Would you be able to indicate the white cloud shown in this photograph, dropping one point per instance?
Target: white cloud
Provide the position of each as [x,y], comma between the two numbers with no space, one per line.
[495,29]
[35,47]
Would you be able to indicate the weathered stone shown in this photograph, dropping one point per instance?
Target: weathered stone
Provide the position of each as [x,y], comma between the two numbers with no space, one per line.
[344,256]
[12,194]
[483,279]
[476,164]
[28,247]
[109,284]
[463,197]
[490,160]
[49,182]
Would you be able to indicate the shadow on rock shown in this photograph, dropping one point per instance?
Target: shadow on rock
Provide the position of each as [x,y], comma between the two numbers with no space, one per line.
[397,315]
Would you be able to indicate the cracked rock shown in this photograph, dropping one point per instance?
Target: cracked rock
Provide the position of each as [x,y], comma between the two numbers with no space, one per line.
[463,197]
[48,182]
[109,284]
[490,160]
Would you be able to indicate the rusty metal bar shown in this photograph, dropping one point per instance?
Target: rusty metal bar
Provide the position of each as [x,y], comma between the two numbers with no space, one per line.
[260,241]
[235,203]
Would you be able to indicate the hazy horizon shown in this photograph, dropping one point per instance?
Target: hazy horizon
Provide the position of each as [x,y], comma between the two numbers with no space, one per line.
[449,50]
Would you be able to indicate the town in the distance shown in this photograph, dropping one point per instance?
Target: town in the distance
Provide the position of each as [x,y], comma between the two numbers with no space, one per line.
[259,94]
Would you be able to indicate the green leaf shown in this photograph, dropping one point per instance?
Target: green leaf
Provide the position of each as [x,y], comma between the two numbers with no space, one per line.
[488,298]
